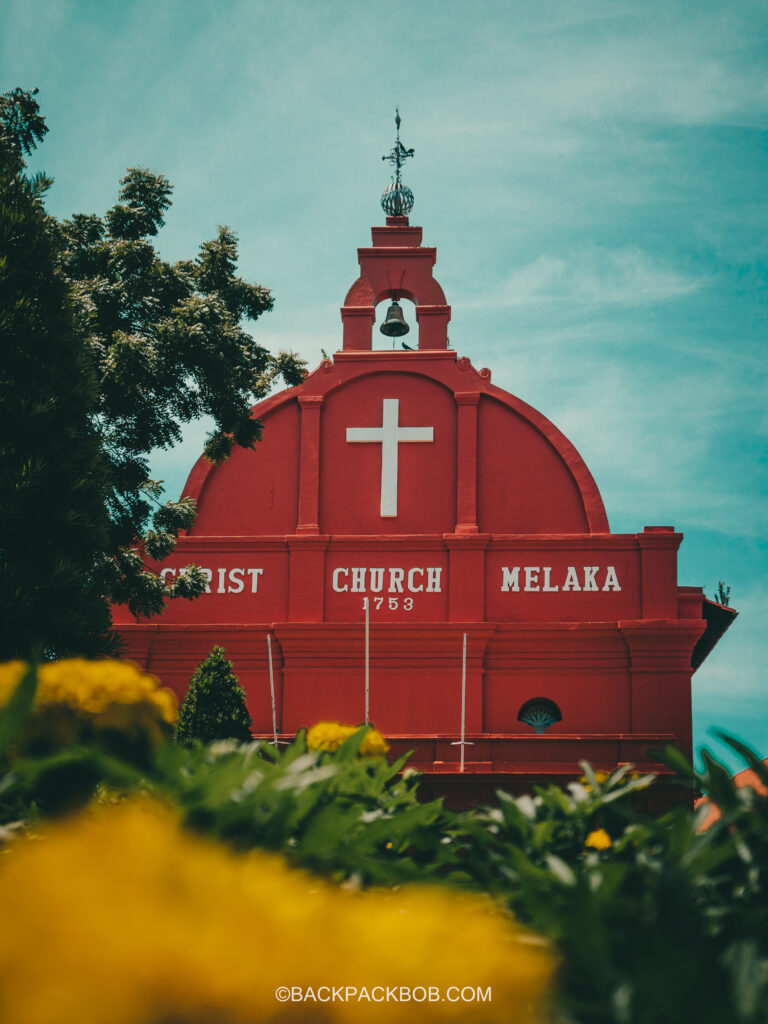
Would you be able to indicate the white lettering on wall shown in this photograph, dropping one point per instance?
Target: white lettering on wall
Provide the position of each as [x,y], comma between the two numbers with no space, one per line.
[411,578]
[433,580]
[398,580]
[236,582]
[531,577]
[547,574]
[235,578]
[588,581]
[396,577]
[510,578]
[337,574]
[572,580]
[590,571]
[611,579]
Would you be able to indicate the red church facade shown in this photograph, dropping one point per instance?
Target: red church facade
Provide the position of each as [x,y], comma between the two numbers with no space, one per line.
[407,479]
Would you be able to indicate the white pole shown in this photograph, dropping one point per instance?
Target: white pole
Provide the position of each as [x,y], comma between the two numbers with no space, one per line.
[366,605]
[463,699]
[272,686]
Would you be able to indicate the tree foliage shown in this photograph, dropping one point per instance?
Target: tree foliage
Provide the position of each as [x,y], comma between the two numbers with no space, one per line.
[54,479]
[214,707]
[159,344]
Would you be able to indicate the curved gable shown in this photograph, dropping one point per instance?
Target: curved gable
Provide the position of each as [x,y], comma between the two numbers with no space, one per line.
[255,492]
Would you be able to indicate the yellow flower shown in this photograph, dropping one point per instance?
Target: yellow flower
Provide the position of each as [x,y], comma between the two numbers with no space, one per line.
[599,840]
[374,744]
[91,686]
[121,917]
[111,705]
[601,778]
[329,736]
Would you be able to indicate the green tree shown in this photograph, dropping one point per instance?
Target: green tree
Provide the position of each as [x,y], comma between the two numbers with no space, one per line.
[54,479]
[164,345]
[214,707]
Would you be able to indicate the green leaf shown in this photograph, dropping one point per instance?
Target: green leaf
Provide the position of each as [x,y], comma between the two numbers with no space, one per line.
[674,758]
[17,710]
[349,748]
[514,818]
[631,786]
[562,872]
[755,763]
[718,782]
[586,767]
[399,764]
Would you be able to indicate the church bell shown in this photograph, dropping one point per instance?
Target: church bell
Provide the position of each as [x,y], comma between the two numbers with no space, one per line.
[394,325]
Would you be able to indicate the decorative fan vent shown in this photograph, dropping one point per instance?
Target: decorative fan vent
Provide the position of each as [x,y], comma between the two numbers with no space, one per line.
[539,713]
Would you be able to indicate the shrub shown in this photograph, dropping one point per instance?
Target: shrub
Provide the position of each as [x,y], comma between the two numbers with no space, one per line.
[655,920]
[214,707]
[345,814]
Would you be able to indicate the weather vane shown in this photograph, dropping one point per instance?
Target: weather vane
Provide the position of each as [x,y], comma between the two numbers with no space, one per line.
[397,198]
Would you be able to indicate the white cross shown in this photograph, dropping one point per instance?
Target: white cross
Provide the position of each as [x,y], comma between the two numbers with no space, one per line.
[389,435]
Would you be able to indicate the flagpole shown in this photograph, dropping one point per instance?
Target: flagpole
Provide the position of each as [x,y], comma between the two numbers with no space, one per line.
[272,686]
[463,742]
[366,605]
[463,699]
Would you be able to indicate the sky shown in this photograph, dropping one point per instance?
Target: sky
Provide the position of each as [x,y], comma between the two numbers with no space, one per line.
[593,176]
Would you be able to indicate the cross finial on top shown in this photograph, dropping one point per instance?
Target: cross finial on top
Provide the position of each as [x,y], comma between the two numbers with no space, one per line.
[398,154]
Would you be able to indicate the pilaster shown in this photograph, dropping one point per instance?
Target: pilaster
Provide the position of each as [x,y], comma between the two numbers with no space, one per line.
[309,464]
[466,575]
[658,552]
[466,482]
[306,590]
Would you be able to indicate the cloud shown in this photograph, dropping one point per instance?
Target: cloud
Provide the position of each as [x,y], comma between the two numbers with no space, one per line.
[592,277]
[657,63]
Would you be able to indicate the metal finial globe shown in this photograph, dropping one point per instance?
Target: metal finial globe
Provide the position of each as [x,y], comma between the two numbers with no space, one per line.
[397,200]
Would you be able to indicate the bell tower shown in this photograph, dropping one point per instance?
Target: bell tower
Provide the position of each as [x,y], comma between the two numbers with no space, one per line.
[396,266]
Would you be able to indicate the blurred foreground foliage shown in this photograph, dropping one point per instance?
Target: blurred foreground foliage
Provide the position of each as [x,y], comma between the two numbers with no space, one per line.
[655,920]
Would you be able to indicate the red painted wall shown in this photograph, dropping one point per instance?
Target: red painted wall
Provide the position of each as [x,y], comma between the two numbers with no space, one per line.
[523,485]
[255,493]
